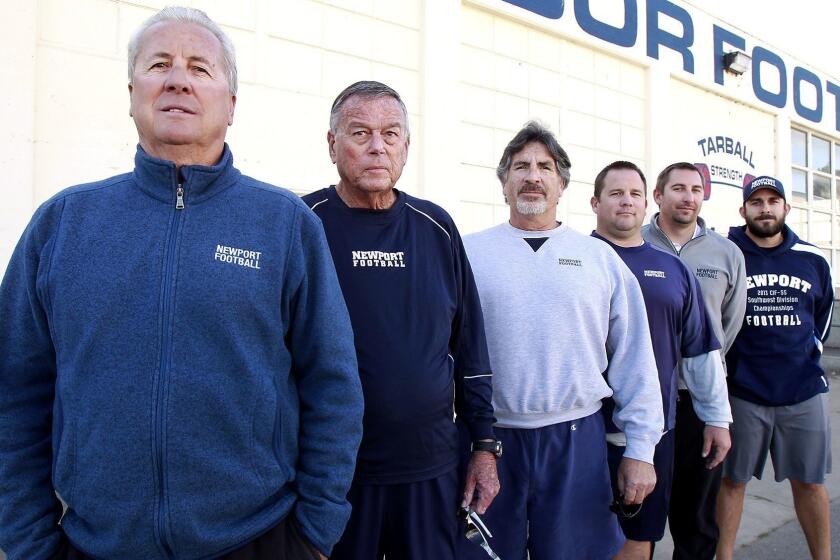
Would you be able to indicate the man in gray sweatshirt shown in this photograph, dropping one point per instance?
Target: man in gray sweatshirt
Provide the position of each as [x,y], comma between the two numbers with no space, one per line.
[719,267]
[563,314]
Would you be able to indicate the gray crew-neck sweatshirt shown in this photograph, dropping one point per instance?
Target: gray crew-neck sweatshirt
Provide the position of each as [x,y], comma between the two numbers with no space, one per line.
[558,318]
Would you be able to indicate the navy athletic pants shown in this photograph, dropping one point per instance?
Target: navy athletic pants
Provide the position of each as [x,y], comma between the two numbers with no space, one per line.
[555,495]
[411,521]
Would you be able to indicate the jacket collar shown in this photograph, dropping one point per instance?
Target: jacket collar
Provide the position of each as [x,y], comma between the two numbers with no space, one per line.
[738,234]
[160,178]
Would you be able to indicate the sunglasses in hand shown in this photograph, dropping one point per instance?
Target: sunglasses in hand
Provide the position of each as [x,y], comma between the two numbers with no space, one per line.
[476,531]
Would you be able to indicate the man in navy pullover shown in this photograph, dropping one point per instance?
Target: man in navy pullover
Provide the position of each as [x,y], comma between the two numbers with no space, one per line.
[776,385]
[680,329]
[176,359]
[419,338]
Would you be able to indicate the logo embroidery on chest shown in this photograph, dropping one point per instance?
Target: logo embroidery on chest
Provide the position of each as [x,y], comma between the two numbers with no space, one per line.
[570,262]
[707,273]
[654,273]
[379,259]
[240,257]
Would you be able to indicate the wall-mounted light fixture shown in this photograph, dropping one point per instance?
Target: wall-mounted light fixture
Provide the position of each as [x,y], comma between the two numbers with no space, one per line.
[736,62]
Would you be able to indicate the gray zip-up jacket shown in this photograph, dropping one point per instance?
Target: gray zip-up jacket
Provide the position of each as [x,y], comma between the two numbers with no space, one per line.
[719,267]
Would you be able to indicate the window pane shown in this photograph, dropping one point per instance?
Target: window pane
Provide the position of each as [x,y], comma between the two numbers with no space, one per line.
[798,144]
[827,254]
[836,159]
[821,154]
[836,229]
[822,190]
[798,222]
[837,194]
[800,186]
[820,228]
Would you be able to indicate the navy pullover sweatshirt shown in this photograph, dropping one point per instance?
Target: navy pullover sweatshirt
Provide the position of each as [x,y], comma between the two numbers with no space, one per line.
[775,360]
[419,334]
[679,324]
[183,378]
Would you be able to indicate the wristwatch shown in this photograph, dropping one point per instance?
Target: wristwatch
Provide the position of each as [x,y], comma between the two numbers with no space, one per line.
[494,447]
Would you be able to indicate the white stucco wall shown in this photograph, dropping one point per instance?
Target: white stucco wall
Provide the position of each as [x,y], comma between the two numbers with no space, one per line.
[471,73]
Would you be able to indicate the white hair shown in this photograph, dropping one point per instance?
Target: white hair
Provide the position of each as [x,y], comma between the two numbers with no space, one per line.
[187,15]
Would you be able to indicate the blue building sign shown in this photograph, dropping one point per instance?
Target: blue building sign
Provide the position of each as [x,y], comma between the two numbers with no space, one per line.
[791,82]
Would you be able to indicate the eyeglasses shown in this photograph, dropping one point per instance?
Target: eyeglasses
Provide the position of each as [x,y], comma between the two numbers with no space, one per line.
[476,531]
[627,511]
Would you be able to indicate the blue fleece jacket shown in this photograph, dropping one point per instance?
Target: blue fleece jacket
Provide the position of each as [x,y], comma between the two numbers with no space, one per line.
[182,377]
[775,360]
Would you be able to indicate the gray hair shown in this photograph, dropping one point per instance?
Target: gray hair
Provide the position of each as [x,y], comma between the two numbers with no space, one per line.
[187,15]
[535,132]
[366,89]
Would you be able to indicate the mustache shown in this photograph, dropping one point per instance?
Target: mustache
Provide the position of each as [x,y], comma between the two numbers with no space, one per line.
[531,188]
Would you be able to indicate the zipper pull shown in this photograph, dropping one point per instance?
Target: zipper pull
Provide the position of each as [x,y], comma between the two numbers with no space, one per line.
[179,198]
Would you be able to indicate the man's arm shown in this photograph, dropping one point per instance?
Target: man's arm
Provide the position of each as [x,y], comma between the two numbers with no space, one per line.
[635,480]
[635,382]
[320,339]
[703,374]
[706,381]
[734,304]
[29,509]
[824,307]
[473,383]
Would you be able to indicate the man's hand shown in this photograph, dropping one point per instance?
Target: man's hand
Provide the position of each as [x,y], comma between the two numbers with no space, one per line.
[635,480]
[716,444]
[482,483]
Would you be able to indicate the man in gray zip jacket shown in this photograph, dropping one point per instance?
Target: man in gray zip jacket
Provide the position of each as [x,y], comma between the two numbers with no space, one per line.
[719,267]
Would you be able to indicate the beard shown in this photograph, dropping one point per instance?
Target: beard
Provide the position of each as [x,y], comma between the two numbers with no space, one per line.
[765,229]
[530,207]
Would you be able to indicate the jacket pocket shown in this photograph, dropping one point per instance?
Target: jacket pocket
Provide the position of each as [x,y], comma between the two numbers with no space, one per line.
[63,448]
[267,438]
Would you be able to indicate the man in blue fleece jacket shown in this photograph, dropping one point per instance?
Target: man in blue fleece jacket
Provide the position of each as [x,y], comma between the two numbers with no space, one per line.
[777,388]
[176,359]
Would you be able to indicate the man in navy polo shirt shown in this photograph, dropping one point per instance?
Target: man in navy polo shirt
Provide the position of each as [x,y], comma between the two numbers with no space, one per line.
[680,328]
[777,388]
[419,338]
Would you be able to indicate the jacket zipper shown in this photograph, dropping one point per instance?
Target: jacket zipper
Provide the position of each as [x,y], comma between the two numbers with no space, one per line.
[689,241]
[664,236]
[179,197]
[163,372]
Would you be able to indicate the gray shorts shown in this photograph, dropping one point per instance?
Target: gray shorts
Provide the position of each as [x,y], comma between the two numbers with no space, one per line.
[798,438]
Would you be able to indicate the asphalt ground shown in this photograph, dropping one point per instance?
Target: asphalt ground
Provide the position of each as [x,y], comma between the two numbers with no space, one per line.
[769,529]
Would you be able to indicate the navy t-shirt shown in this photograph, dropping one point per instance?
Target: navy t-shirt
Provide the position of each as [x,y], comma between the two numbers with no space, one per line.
[419,334]
[678,321]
